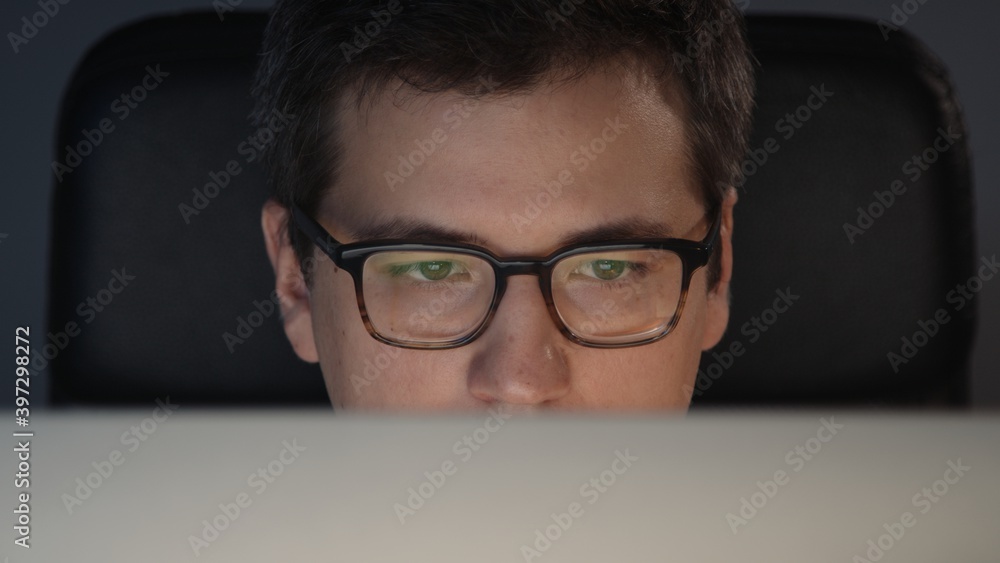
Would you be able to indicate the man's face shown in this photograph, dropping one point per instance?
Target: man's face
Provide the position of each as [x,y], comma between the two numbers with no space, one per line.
[480,167]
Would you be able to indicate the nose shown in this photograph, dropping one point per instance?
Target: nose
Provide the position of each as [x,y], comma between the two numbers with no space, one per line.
[520,360]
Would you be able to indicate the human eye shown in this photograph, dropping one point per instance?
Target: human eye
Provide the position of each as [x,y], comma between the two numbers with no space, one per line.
[427,270]
[608,269]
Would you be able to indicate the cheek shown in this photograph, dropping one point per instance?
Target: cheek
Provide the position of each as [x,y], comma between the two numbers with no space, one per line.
[650,376]
[336,317]
[342,341]
[662,368]
[362,372]
[690,332]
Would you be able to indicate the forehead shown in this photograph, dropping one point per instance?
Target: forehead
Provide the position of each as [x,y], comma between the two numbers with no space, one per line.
[517,170]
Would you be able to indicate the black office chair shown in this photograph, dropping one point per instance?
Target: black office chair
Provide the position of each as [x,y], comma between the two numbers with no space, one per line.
[194,323]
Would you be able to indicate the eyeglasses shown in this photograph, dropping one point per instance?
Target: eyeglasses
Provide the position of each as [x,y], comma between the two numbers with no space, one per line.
[436,296]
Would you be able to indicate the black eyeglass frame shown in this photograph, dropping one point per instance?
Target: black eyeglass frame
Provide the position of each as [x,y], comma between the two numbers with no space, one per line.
[351,258]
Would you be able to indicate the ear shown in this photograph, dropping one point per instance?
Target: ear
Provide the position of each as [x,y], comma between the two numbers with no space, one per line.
[293,293]
[717,307]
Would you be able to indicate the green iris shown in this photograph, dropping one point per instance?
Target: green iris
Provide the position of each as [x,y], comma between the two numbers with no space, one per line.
[608,269]
[431,271]
[435,271]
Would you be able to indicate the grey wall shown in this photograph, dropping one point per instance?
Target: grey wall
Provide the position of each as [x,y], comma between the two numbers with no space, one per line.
[962,33]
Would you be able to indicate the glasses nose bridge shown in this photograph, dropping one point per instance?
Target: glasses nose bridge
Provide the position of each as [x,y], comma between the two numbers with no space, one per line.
[521,267]
[510,268]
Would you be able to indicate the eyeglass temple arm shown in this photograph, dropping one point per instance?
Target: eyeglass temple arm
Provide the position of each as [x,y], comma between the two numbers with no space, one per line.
[316,233]
[713,231]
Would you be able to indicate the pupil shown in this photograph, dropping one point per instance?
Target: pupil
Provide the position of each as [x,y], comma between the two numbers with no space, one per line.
[435,270]
[609,269]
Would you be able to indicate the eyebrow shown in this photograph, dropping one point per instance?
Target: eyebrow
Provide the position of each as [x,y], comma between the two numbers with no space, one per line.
[419,230]
[627,228]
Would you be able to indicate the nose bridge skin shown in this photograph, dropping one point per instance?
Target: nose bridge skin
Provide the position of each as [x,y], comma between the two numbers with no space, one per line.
[520,358]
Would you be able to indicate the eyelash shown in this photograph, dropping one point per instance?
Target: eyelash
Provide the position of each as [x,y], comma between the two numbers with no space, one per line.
[633,268]
[400,270]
